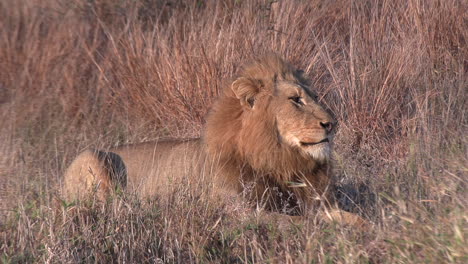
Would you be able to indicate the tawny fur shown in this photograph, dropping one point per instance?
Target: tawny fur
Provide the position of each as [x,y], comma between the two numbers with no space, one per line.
[87,173]
[260,140]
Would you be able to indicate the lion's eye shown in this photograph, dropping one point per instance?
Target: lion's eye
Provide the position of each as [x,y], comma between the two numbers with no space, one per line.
[297,100]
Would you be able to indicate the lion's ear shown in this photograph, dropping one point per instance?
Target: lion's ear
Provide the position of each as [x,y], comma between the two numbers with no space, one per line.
[245,90]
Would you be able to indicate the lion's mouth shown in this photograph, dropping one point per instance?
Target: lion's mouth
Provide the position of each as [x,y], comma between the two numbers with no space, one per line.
[314,143]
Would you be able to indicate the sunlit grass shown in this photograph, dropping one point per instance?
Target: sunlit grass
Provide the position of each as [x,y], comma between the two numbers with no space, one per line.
[80,74]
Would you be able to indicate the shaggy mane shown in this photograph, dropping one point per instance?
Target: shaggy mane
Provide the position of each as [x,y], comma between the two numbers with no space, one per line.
[253,144]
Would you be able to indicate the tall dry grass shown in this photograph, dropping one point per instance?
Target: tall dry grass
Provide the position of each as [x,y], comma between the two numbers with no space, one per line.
[75,74]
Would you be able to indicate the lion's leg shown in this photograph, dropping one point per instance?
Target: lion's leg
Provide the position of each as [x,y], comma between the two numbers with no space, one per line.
[87,175]
[343,217]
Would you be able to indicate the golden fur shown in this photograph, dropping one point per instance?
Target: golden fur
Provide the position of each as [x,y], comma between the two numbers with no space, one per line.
[266,137]
[253,131]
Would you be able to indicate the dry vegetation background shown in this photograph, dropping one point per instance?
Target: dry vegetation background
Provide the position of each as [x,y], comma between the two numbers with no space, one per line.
[97,73]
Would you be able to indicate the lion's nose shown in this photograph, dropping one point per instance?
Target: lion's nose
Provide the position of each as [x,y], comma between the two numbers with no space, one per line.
[328,126]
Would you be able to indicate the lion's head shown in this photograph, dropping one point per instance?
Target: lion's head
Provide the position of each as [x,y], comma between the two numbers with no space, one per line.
[270,119]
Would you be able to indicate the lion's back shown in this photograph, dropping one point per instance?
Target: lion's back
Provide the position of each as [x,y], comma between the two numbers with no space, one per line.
[145,169]
[160,167]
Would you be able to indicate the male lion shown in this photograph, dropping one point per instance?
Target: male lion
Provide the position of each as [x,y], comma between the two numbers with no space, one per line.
[267,137]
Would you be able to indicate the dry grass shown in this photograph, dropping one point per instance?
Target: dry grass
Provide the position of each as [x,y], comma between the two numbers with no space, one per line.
[75,74]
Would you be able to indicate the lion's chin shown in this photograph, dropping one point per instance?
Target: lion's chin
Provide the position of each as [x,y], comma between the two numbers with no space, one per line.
[320,152]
